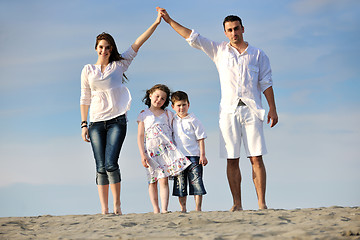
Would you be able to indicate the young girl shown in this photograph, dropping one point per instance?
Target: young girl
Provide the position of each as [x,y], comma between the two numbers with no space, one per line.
[103,92]
[158,153]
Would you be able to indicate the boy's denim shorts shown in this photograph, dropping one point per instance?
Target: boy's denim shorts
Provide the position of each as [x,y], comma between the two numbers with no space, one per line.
[192,174]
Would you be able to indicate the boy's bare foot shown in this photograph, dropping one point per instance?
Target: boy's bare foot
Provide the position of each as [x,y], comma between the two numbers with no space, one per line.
[235,208]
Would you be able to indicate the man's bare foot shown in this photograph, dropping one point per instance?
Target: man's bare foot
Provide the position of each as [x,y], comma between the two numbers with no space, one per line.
[262,206]
[235,208]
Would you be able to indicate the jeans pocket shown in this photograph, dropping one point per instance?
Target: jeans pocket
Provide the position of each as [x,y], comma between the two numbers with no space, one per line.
[121,120]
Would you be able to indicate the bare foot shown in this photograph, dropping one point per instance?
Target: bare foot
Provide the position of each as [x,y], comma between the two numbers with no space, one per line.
[105,211]
[263,206]
[163,212]
[183,209]
[117,211]
[235,208]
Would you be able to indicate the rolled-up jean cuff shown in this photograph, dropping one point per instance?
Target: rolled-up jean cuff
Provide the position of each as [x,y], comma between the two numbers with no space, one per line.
[102,179]
[114,176]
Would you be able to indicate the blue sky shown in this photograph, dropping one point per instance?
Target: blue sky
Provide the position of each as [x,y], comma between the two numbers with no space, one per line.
[313,47]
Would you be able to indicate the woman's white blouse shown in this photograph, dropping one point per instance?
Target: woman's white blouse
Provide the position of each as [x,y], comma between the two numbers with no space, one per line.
[104,91]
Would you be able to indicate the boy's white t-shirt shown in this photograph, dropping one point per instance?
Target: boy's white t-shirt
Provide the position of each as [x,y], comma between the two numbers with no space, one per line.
[187,132]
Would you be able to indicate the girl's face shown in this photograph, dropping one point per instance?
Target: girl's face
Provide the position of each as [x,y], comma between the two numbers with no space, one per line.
[103,49]
[158,98]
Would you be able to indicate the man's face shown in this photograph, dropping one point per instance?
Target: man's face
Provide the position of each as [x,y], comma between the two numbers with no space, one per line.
[234,31]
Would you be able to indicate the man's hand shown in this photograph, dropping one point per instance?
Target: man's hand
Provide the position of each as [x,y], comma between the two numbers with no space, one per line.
[273,117]
[163,14]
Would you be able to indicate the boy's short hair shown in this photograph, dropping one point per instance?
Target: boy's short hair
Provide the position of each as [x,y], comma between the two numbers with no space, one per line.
[179,96]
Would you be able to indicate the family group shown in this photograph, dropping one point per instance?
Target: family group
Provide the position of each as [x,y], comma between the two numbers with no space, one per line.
[171,144]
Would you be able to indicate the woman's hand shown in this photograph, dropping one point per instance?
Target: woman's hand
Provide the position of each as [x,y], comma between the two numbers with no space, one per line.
[85,134]
[145,36]
[203,161]
[159,16]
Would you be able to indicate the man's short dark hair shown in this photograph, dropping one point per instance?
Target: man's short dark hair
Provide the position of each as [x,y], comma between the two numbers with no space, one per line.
[232,18]
[179,96]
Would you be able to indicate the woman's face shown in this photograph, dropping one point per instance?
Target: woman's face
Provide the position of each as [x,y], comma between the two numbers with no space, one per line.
[103,49]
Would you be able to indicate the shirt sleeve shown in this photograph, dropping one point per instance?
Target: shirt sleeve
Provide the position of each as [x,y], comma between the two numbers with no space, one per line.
[85,97]
[265,75]
[199,129]
[128,56]
[140,117]
[197,41]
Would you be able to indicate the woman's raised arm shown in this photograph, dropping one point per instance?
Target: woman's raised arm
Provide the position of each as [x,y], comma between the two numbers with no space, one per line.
[145,36]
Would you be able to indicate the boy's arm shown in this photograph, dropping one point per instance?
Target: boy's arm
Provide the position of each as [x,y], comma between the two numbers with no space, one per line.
[203,159]
[140,141]
[183,31]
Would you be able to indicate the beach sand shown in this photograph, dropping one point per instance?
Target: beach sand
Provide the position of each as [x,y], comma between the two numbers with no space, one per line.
[310,223]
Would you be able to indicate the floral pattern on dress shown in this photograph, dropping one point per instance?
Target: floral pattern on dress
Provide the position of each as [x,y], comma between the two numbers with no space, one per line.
[165,160]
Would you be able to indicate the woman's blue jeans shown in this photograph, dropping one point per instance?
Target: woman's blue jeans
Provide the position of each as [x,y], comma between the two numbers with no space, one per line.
[106,139]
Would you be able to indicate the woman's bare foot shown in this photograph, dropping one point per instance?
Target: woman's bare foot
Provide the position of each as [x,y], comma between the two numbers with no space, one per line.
[117,211]
[235,208]
[105,211]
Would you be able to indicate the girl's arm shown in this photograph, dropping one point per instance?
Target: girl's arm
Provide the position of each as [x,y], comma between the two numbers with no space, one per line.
[145,36]
[84,131]
[140,141]
[203,159]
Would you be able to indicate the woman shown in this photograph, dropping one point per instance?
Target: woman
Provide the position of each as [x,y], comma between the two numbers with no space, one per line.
[104,92]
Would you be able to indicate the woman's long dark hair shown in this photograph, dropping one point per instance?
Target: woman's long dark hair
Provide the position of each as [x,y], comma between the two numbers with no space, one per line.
[115,55]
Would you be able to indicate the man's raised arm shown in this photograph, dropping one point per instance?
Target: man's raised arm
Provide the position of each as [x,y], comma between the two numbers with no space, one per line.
[183,31]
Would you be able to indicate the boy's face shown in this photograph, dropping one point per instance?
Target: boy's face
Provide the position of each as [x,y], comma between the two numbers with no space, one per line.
[181,108]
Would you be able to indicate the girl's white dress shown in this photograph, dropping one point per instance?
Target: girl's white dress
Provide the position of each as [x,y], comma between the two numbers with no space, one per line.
[164,158]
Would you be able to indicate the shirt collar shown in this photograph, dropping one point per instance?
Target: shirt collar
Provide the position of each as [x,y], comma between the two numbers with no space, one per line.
[187,117]
[234,49]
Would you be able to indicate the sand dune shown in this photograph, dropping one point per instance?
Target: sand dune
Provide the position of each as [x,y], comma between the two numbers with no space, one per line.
[311,223]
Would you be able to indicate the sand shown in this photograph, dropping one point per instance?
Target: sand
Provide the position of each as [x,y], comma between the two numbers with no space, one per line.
[310,223]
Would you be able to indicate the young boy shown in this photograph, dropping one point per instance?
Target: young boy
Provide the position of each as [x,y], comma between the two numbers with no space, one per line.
[189,136]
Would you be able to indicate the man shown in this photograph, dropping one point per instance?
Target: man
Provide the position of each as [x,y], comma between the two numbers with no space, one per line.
[244,73]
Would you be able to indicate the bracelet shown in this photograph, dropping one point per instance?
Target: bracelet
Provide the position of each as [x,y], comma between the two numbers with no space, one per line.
[84,122]
[84,126]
